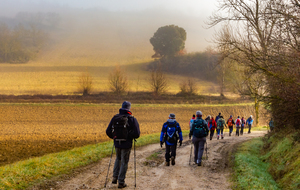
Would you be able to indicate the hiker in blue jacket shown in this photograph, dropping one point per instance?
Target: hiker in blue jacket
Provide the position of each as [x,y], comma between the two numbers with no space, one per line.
[170,134]
[249,122]
[199,131]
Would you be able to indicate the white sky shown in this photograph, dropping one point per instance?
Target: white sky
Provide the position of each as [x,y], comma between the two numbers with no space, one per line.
[197,10]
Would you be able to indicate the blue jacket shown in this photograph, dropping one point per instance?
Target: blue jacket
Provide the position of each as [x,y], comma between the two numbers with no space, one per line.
[164,131]
[133,133]
[249,121]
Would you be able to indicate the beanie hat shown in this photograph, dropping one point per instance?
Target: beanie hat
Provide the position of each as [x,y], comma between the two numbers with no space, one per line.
[198,113]
[172,115]
[126,105]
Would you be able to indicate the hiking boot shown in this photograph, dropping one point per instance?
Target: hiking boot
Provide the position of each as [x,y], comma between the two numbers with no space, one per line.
[199,164]
[210,138]
[218,138]
[122,185]
[114,180]
[173,160]
[167,163]
[222,137]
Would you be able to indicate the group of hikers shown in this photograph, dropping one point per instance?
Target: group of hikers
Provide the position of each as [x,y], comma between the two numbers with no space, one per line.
[219,124]
[124,128]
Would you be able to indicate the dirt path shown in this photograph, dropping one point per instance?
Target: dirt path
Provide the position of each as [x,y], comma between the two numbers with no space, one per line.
[153,174]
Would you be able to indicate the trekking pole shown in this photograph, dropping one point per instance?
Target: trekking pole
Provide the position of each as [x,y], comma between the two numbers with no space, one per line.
[191,153]
[112,151]
[206,151]
[134,163]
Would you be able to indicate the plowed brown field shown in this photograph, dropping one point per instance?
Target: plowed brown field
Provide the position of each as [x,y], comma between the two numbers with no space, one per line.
[30,130]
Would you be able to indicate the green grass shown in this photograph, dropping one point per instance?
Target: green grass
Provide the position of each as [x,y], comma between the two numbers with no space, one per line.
[250,172]
[284,156]
[24,174]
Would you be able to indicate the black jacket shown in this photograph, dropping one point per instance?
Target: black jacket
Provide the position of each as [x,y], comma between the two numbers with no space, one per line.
[134,130]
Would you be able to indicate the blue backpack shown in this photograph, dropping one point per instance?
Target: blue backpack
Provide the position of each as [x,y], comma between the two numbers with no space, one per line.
[199,130]
[172,133]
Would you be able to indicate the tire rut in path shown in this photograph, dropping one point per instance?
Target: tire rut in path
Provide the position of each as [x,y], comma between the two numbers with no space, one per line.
[213,174]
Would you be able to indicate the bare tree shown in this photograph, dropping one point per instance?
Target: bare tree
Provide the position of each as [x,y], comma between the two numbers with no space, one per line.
[118,80]
[158,81]
[188,87]
[85,83]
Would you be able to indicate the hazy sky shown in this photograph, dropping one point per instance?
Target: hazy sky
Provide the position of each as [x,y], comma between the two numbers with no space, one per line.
[194,13]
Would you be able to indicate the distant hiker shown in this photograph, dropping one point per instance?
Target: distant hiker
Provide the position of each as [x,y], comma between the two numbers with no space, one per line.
[170,134]
[271,124]
[123,128]
[207,118]
[230,124]
[199,130]
[249,122]
[218,117]
[220,126]
[212,125]
[191,121]
[243,123]
[238,126]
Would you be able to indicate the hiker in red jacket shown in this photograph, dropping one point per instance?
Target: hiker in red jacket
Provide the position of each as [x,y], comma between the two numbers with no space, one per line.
[238,125]
[212,125]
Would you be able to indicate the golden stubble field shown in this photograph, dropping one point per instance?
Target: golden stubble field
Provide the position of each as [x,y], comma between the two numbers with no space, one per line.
[30,130]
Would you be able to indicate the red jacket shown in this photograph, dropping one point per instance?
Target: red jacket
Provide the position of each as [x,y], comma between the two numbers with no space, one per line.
[213,124]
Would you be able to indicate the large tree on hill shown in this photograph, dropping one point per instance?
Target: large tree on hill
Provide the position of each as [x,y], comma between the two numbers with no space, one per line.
[168,40]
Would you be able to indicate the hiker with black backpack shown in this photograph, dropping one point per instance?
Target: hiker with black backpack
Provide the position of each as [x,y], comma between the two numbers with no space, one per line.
[123,129]
[199,131]
[249,122]
[170,134]
[238,126]
[230,123]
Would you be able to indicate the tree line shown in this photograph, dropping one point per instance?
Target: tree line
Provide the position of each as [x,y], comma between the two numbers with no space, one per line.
[22,37]
[261,39]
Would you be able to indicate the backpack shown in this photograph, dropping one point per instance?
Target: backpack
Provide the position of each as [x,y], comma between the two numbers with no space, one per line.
[199,130]
[120,127]
[238,122]
[171,133]
[230,122]
[220,124]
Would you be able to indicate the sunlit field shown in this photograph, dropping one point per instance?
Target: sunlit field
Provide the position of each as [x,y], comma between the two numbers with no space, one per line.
[32,79]
[29,130]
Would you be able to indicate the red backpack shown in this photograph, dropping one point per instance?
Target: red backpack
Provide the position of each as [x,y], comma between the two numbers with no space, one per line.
[238,122]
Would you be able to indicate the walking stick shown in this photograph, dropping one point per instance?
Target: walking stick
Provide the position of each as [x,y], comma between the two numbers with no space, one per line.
[206,151]
[191,153]
[112,151]
[134,163]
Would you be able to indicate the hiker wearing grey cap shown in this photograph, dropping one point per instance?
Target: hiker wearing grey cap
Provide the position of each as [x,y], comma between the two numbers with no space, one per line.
[170,134]
[199,131]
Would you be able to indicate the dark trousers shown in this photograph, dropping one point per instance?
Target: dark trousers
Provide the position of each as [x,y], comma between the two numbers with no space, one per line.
[237,131]
[121,164]
[212,131]
[242,130]
[230,130]
[198,148]
[172,150]
[249,131]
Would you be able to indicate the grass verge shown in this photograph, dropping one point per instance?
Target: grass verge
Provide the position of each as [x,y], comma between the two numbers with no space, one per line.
[282,150]
[24,174]
[250,171]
